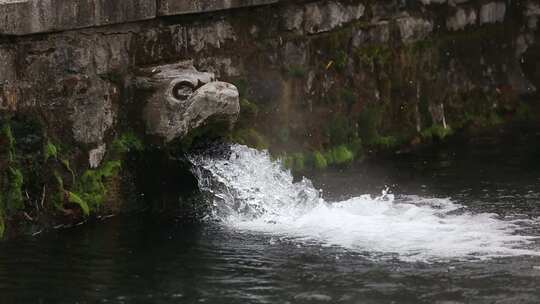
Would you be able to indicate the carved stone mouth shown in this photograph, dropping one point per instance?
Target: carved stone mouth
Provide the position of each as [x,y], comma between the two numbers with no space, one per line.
[184,99]
[183,90]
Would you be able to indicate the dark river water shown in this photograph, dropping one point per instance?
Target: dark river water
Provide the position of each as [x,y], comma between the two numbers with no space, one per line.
[145,259]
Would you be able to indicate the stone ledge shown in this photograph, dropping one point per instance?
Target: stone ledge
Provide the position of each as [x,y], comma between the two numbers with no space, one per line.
[25,17]
[180,7]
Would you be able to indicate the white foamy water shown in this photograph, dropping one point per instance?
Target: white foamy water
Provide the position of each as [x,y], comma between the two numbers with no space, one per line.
[251,192]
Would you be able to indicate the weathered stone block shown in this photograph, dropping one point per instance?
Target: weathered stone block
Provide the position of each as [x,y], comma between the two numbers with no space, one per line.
[461,19]
[210,35]
[428,2]
[94,113]
[378,34]
[413,29]
[181,99]
[7,65]
[532,12]
[492,12]
[24,17]
[179,7]
[532,8]
[326,16]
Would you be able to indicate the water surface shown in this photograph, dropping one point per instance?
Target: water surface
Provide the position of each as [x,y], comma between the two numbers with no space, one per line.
[356,251]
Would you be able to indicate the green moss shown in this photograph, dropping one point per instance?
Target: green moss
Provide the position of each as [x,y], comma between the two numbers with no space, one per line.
[342,155]
[11,179]
[437,131]
[7,134]
[110,168]
[339,155]
[374,54]
[127,142]
[319,161]
[91,187]
[50,151]
[329,156]
[14,199]
[387,142]
[75,199]
[58,195]
[90,190]
[66,164]
[297,162]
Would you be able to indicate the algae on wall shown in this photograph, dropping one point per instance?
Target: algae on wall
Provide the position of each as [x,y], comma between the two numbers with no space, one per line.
[15,163]
[40,180]
[378,95]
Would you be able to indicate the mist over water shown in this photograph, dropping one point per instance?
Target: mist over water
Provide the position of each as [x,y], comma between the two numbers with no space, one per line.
[252,193]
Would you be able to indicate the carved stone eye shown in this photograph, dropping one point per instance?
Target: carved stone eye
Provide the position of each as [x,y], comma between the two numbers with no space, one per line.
[183,90]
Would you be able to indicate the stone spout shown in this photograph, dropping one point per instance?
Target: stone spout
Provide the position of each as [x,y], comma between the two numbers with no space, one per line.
[180,99]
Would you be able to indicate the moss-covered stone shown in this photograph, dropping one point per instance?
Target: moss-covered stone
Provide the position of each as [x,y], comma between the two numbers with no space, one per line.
[342,155]
[13,199]
[319,161]
[76,199]
[91,188]
[8,142]
[437,131]
[387,142]
[125,143]
[12,179]
[50,150]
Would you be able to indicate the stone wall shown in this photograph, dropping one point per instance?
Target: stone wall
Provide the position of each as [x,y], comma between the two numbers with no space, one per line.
[26,17]
[316,78]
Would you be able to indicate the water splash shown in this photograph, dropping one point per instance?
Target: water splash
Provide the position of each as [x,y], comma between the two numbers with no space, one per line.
[252,192]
